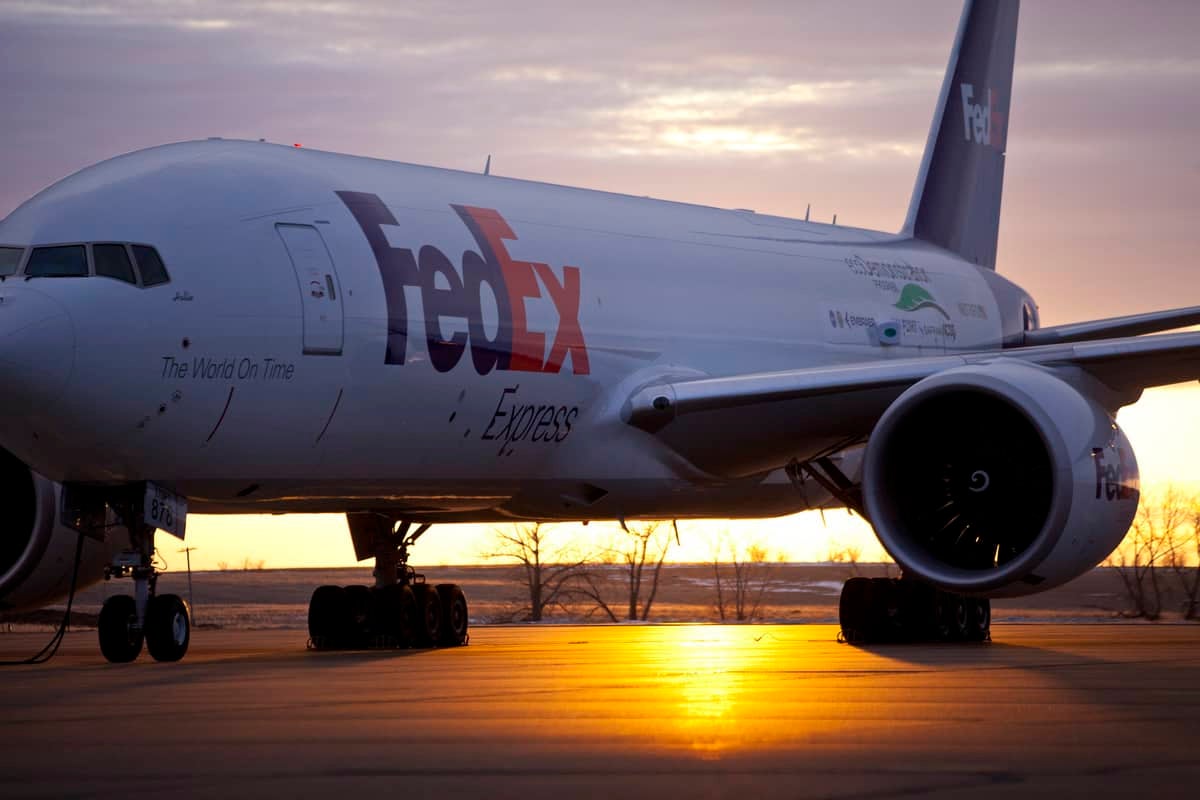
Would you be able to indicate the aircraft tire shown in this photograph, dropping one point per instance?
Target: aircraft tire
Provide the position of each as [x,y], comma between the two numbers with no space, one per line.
[941,614]
[429,615]
[957,616]
[168,627]
[120,639]
[854,610]
[454,615]
[360,604]
[879,610]
[328,617]
[395,615]
[979,613]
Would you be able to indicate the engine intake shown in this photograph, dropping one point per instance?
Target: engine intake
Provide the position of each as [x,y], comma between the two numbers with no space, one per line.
[999,480]
[37,554]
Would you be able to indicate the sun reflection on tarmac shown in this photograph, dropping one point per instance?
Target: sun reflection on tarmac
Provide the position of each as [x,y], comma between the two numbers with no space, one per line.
[714,707]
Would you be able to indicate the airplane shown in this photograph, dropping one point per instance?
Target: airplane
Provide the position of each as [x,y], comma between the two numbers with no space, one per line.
[225,326]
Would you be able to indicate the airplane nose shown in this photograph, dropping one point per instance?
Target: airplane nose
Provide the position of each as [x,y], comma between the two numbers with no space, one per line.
[37,350]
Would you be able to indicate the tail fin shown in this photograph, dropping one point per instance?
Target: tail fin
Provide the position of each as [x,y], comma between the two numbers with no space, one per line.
[956,202]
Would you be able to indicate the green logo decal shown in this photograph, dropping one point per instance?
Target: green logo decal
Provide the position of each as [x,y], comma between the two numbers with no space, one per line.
[914,298]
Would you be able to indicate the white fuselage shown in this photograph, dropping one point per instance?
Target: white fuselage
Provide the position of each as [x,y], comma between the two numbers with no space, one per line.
[204,383]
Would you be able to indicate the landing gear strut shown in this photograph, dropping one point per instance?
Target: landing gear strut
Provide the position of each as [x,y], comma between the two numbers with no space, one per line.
[161,622]
[874,610]
[400,610]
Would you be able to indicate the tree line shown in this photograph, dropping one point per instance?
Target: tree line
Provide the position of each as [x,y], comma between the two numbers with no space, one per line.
[1160,556]
[1156,567]
[620,580]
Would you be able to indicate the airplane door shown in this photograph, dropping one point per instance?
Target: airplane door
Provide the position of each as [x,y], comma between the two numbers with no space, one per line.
[320,293]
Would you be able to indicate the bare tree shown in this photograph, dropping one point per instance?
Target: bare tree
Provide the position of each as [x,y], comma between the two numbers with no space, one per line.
[848,555]
[640,551]
[549,573]
[1184,559]
[594,585]
[1149,546]
[740,579]
[646,544]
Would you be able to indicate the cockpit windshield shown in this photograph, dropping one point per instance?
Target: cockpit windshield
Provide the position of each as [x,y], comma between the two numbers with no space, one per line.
[64,261]
[117,260]
[10,259]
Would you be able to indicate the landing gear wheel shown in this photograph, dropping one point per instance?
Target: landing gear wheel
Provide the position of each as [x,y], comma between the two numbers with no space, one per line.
[396,615]
[454,615]
[979,620]
[943,617]
[854,610]
[327,617]
[902,610]
[168,627]
[360,605]
[120,638]
[429,615]
[953,618]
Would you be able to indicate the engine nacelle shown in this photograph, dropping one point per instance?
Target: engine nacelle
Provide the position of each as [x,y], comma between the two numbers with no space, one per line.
[999,480]
[37,552]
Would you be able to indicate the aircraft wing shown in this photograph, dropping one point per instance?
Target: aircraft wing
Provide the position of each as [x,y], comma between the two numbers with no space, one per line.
[1131,325]
[738,425]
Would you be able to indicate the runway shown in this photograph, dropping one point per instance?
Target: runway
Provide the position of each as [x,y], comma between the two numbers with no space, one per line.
[697,711]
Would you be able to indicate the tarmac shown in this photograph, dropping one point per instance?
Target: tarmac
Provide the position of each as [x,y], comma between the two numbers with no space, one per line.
[603,711]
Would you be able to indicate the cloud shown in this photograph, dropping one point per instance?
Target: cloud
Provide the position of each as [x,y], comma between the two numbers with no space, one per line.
[206,24]
[1112,69]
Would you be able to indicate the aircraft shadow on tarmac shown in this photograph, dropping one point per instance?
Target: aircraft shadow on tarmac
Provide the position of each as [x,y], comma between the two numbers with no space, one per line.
[1124,686]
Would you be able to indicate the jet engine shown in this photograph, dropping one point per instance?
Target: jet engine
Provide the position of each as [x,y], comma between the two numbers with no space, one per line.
[999,480]
[37,552]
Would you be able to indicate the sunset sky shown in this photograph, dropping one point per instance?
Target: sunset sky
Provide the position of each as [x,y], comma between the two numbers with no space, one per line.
[769,106]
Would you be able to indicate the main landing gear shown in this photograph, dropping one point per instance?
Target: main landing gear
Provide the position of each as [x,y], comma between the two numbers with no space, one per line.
[160,622]
[874,610]
[400,610]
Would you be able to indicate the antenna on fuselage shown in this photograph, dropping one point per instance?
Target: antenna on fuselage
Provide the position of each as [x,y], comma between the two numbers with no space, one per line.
[487,165]
[835,219]
[806,212]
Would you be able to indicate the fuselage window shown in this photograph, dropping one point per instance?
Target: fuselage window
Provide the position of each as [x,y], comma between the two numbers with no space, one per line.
[150,265]
[65,261]
[10,259]
[112,261]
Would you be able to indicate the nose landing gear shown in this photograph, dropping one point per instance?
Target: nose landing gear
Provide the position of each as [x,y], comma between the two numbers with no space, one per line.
[874,610]
[161,622]
[400,610]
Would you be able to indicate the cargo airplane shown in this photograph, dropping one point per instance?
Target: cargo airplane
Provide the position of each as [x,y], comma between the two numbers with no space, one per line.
[224,327]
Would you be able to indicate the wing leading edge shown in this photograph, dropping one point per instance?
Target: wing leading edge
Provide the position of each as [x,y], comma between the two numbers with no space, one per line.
[1131,325]
[738,425]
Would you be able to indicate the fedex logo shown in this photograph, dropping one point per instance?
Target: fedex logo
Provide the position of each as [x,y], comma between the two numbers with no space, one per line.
[1114,481]
[983,124]
[458,295]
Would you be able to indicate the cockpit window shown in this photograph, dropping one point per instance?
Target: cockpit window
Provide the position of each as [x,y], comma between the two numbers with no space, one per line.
[150,265]
[112,261]
[66,261]
[10,259]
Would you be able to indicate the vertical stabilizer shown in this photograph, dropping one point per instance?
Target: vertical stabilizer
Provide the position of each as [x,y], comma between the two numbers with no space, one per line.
[956,201]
